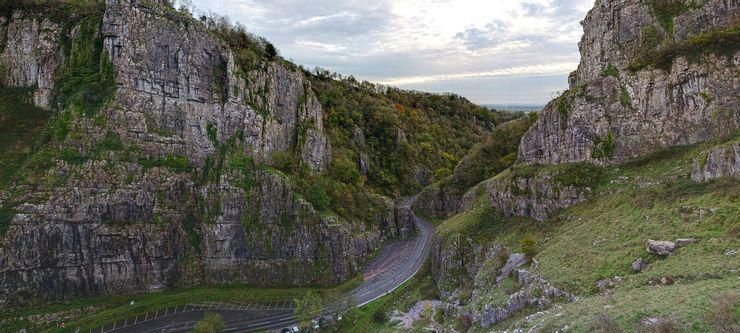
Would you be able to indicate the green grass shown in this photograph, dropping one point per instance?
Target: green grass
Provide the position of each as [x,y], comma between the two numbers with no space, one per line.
[21,123]
[688,304]
[108,309]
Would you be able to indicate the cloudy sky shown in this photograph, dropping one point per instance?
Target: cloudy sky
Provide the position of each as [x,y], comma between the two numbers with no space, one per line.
[491,51]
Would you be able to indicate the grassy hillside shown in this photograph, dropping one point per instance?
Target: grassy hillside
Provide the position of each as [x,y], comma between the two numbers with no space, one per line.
[650,198]
[406,139]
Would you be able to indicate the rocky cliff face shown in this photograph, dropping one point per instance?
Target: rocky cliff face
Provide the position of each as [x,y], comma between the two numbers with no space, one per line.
[653,74]
[720,162]
[537,196]
[164,184]
[30,54]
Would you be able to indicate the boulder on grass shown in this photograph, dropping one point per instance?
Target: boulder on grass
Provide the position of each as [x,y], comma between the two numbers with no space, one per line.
[661,248]
[681,242]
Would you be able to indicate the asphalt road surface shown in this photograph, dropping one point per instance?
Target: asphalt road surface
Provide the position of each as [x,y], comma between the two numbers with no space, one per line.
[396,263]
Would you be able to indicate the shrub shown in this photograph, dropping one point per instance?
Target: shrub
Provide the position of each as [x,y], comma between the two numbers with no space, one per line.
[212,133]
[722,41]
[579,175]
[624,97]
[723,314]
[272,52]
[605,324]
[563,105]
[345,171]
[111,142]
[666,10]
[529,245]
[6,217]
[610,70]
[72,156]
[465,322]
[380,314]
[88,79]
[603,148]
[317,196]
[178,164]
[664,325]
[284,161]
[211,323]
[308,307]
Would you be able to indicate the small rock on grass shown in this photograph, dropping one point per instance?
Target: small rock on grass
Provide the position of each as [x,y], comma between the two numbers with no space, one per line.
[638,265]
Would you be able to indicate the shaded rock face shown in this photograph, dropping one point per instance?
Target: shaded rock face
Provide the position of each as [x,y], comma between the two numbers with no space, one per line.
[456,260]
[720,162]
[612,114]
[439,202]
[30,55]
[114,224]
[537,197]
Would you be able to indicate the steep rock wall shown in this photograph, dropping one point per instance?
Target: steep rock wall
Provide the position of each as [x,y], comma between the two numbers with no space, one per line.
[719,162]
[621,105]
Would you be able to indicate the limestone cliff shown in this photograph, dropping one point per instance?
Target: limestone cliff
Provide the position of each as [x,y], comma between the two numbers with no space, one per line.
[152,172]
[653,74]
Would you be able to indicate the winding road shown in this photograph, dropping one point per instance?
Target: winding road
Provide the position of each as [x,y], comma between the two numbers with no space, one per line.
[396,263]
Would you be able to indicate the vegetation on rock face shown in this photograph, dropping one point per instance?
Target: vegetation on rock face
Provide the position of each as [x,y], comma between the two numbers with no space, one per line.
[603,148]
[611,70]
[666,11]
[21,124]
[87,81]
[722,41]
[494,154]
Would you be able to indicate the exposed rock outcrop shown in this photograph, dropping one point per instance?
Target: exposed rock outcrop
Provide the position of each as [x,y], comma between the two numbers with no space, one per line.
[30,55]
[537,197]
[623,105]
[720,162]
[438,201]
[535,291]
[661,248]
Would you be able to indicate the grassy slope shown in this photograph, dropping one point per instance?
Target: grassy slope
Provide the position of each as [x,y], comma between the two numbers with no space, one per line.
[651,198]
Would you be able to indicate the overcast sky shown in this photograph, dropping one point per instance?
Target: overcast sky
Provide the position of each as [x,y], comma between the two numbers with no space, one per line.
[490,51]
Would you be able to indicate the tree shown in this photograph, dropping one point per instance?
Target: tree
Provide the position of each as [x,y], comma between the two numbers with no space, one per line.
[337,302]
[272,52]
[211,323]
[307,308]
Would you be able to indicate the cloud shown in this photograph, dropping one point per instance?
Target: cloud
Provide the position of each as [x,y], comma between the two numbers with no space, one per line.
[412,42]
[555,68]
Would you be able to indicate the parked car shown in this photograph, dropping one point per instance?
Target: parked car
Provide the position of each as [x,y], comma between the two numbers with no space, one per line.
[286,330]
